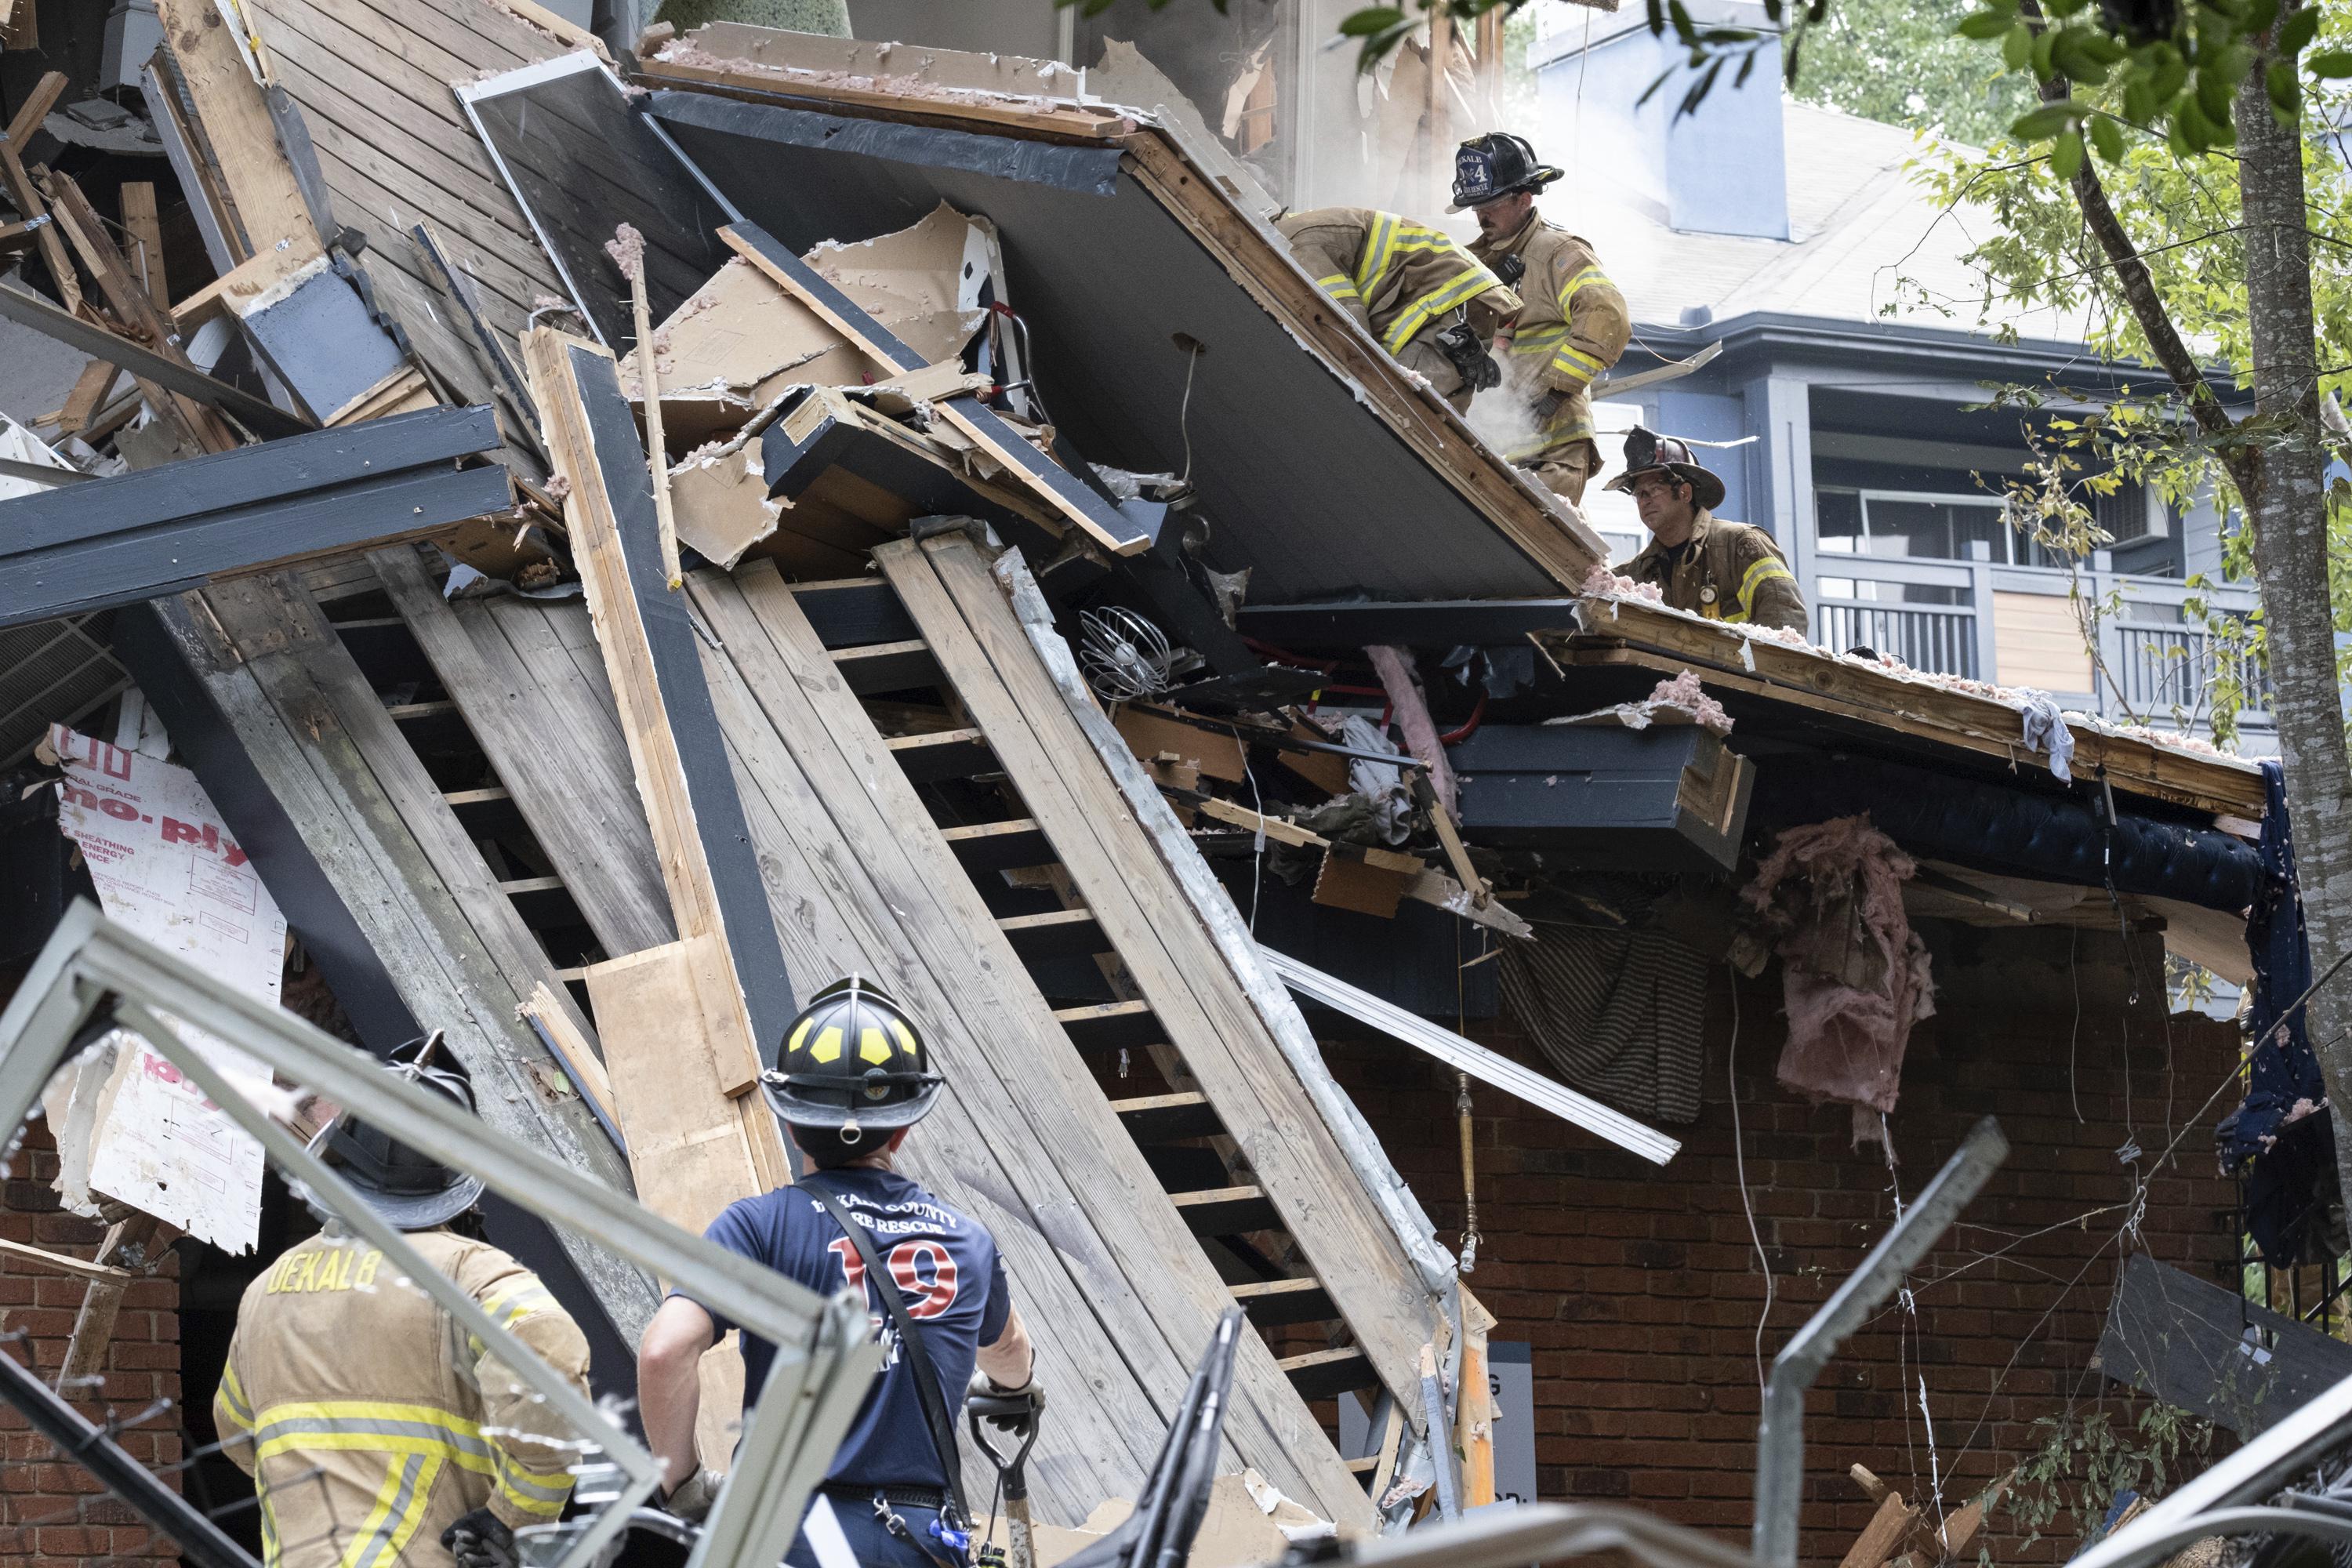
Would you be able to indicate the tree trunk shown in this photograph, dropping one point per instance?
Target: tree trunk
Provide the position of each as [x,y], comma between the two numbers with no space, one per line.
[2286,507]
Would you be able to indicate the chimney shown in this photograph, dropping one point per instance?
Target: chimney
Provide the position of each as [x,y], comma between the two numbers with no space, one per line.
[1720,169]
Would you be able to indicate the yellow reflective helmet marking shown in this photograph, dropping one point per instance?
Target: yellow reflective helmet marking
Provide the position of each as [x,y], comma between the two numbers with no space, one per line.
[828,1045]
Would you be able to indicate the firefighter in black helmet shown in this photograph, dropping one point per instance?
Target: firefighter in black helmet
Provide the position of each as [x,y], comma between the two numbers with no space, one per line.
[1573,326]
[853,1078]
[373,1431]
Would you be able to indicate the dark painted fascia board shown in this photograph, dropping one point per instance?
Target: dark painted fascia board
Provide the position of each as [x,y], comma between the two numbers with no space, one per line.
[137,536]
[1776,337]
[220,480]
[1075,167]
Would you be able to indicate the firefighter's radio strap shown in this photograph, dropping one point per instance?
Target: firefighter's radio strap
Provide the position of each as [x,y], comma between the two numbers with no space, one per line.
[918,1358]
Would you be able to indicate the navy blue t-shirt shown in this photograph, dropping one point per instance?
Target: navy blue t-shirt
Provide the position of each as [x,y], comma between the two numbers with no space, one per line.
[948,1273]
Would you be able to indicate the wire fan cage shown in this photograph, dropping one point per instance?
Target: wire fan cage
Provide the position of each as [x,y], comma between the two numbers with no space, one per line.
[1124,656]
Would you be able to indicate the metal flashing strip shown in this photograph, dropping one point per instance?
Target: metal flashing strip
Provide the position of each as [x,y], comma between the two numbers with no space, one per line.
[139,535]
[1091,171]
[824,1363]
[1468,1055]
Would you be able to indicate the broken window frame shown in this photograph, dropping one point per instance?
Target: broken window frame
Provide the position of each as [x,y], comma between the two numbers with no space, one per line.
[824,1359]
[472,95]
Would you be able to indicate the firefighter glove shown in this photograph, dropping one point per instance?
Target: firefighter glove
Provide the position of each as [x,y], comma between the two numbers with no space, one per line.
[480,1541]
[1459,343]
[1012,1411]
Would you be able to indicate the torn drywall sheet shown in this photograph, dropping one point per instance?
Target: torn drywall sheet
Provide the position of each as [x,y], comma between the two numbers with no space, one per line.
[165,867]
[930,284]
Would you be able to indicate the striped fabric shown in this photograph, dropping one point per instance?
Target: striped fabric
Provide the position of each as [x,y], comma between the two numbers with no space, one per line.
[1617,1013]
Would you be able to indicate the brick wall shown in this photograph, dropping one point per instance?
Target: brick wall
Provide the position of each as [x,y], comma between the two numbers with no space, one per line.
[53,1511]
[1640,1289]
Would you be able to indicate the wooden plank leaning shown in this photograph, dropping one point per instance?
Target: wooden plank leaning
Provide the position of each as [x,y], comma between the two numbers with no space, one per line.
[1195,986]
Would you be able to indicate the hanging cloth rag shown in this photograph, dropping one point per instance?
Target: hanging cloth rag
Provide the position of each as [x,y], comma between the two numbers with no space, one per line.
[2046,730]
[1829,901]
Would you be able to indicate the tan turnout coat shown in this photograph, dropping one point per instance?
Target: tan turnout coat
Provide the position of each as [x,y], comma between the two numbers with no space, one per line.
[1572,325]
[370,1420]
[1736,573]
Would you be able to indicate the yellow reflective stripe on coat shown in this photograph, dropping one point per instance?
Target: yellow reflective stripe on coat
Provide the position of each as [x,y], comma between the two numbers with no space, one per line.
[532,1491]
[232,1399]
[1379,242]
[1570,359]
[399,1509]
[1453,291]
[1762,571]
[1569,289]
[374,1426]
[1538,340]
[1338,286]
[510,1304]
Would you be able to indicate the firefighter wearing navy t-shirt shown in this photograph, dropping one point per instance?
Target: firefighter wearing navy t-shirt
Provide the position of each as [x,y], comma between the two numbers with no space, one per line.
[853,1079]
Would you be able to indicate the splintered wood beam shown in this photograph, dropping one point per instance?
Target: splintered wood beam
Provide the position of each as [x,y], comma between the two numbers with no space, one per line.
[31,208]
[266,420]
[36,106]
[652,655]
[235,119]
[102,1303]
[979,424]
[59,1263]
[128,298]
[146,230]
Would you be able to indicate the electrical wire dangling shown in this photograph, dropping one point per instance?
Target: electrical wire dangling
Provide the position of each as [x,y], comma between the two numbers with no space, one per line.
[1125,657]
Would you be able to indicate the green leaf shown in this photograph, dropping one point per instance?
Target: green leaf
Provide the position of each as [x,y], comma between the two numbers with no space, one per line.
[2194,129]
[2043,66]
[2077,65]
[2213,93]
[2280,82]
[2047,120]
[2064,7]
[2139,100]
[1372,19]
[2297,31]
[2234,64]
[2257,18]
[1983,25]
[2066,153]
[2334,63]
[2102,48]
[2108,138]
[2017,47]
[2171,74]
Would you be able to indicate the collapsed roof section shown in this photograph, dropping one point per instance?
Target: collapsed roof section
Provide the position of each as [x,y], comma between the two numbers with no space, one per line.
[1170,327]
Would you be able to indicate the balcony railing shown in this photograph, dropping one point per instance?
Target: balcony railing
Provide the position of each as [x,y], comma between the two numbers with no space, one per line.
[2150,663]
[2163,667]
[1924,636]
